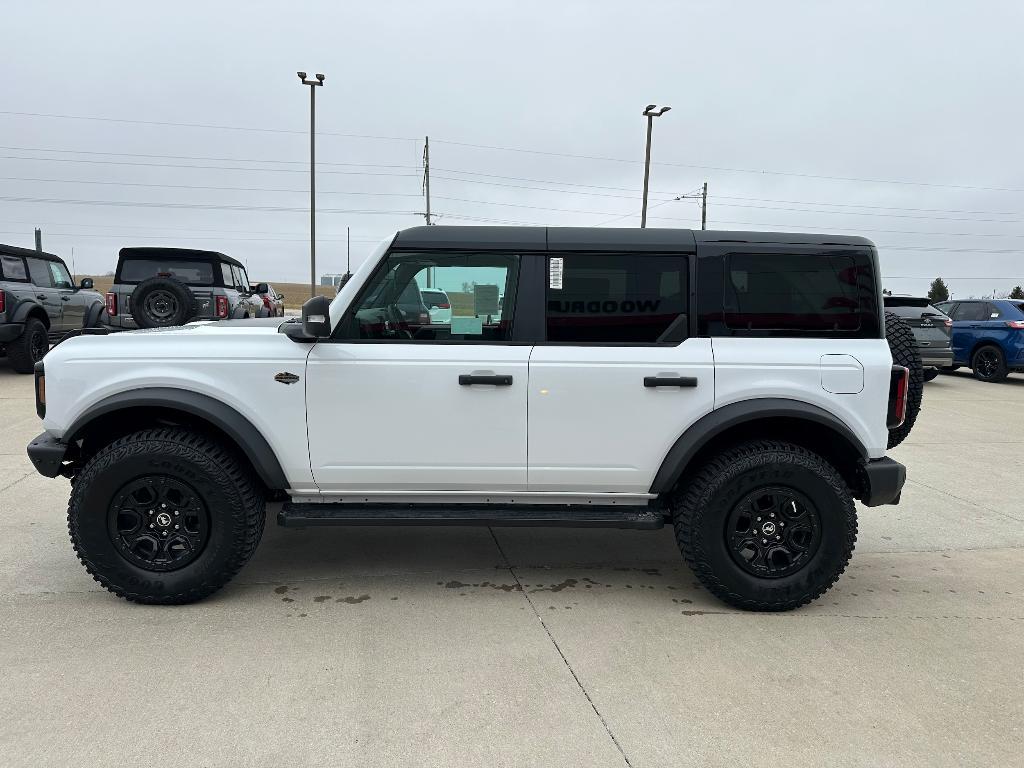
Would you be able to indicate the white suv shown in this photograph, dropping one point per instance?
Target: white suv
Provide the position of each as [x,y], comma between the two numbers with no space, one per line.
[737,385]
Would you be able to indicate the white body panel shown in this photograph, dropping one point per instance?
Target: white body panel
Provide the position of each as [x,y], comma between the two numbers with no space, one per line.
[595,427]
[235,364]
[796,369]
[368,402]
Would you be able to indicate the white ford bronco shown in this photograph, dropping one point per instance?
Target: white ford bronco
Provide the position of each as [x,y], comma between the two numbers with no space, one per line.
[737,385]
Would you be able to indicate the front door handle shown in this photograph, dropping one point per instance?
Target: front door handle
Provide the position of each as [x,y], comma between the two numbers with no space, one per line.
[670,381]
[65,298]
[41,296]
[468,379]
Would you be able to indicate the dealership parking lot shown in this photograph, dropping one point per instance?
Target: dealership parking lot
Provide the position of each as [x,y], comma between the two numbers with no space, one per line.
[434,646]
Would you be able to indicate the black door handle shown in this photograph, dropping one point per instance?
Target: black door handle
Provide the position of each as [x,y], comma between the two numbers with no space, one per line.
[65,298]
[468,379]
[41,296]
[670,381]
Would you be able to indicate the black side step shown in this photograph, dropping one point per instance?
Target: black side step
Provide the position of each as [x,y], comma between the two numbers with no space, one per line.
[294,515]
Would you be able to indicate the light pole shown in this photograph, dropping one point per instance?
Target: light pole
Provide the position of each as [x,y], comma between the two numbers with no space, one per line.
[312,176]
[650,114]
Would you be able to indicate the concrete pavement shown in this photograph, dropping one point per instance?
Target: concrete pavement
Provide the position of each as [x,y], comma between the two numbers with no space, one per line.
[433,646]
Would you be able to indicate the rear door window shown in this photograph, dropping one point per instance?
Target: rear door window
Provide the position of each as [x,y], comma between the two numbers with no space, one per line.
[625,298]
[39,271]
[13,268]
[971,310]
[190,272]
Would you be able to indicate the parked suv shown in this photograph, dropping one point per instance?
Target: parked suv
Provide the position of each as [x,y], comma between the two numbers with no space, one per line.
[931,327]
[988,336]
[39,303]
[161,287]
[736,385]
[272,300]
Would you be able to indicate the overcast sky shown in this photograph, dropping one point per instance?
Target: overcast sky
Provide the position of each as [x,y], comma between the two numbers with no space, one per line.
[914,109]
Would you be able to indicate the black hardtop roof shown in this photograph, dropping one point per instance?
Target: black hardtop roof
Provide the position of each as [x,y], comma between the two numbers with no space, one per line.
[186,254]
[599,238]
[13,250]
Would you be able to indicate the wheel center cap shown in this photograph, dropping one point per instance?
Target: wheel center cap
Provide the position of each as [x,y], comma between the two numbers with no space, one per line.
[768,528]
[163,520]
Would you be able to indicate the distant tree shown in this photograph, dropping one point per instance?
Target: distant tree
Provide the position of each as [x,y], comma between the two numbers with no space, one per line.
[1017,293]
[938,291]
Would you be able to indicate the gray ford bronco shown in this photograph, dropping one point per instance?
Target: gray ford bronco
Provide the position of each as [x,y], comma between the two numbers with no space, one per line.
[163,287]
[39,303]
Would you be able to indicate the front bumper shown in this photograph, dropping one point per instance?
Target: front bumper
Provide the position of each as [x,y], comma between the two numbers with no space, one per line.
[935,358]
[882,481]
[10,331]
[47,454]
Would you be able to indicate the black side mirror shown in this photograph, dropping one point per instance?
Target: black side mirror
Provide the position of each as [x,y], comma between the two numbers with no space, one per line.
[86,283]
[316,317]
[262,288]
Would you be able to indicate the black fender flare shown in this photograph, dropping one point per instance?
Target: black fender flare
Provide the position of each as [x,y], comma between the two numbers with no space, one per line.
[239,429]
[92,314]
[721,419]
[25,308]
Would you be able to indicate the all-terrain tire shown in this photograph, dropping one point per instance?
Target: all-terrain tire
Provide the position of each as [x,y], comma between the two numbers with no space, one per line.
[162,302]
[904,352]
[29,348]
[717,492]
[223,485]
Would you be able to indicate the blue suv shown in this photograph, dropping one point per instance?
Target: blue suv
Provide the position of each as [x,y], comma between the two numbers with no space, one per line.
[988,336]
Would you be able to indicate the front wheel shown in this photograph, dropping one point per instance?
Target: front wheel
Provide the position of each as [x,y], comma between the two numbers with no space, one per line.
[165,516]
[766,525]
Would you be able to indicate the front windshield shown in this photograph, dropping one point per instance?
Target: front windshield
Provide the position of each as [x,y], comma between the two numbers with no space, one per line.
[348,290]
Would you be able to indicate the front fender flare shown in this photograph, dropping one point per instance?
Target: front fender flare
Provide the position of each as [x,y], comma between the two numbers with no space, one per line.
[237,427]
[718,421]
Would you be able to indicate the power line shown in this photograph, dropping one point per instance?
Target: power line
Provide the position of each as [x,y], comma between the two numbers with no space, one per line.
[200,186]
[198,206]
[204,125]
[161,227]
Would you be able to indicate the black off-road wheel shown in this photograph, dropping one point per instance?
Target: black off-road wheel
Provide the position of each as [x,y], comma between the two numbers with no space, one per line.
[29,348]
[989,364]
[162,302]
[766,525]
[904,352]
[165,516]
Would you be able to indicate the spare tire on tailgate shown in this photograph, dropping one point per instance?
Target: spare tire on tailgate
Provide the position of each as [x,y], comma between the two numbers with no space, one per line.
[904,352]
[160,302]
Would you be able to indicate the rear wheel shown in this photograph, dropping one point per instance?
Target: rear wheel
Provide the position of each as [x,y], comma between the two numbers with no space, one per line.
[766,525]
[989,364]
[165,516]
[29,348]
[930,373]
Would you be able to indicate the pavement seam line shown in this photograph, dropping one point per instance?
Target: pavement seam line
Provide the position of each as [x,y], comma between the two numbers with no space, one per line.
[965,501]
[547,631]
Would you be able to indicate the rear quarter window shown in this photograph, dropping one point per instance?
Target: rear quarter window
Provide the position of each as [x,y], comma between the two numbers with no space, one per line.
[13,268]
[792,292]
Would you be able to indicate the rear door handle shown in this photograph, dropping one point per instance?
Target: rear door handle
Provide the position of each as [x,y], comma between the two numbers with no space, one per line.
[468,379]
[41,296]
[670,381]
[65,298]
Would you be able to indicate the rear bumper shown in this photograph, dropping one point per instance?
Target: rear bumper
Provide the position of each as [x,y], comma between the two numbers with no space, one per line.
[935,358]
[10,331]
[883,481]
[47,454]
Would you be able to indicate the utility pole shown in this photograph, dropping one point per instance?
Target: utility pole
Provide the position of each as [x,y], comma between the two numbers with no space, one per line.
[704,207]
[39,239]
[426,176]
[312,176]
[348,250]
[650,115]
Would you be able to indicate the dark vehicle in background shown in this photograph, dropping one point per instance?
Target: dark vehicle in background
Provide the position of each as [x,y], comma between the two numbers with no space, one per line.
[39,303]
[931,327]
[272,300]
[161,287]
[988,336]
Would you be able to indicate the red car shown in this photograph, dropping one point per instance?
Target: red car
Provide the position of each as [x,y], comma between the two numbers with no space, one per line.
[272,300]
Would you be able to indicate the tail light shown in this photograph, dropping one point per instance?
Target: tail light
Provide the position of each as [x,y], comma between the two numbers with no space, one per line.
[899,387]
[424,318]
[3,301]
[948,323]
[221,309]
[444,306]
[266,301]
[1017,324]
[112,304]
